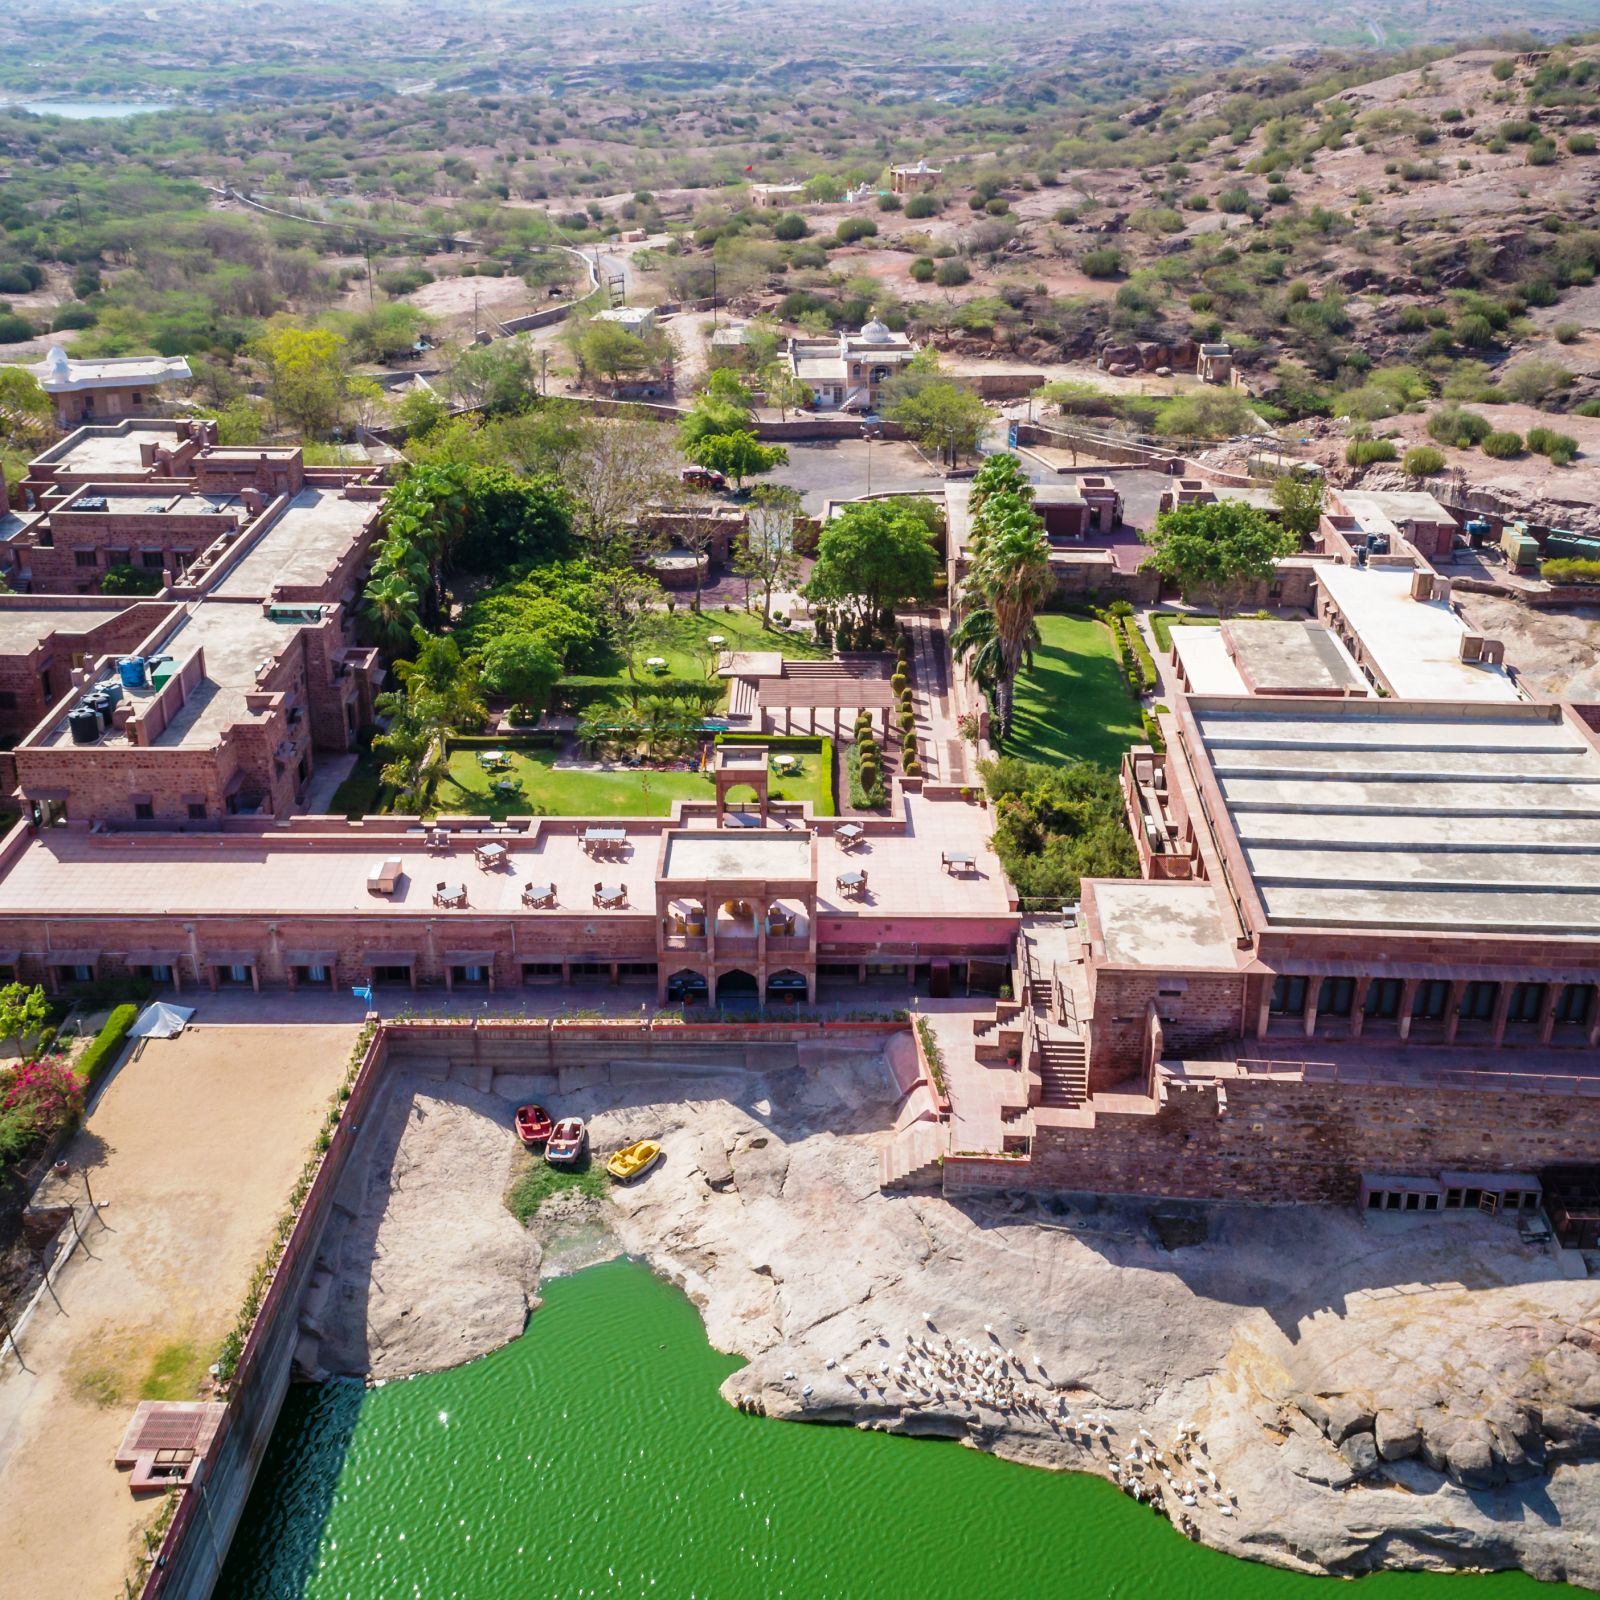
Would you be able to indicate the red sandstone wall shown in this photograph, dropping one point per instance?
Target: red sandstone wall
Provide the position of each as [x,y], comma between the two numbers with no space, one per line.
[1278,1141]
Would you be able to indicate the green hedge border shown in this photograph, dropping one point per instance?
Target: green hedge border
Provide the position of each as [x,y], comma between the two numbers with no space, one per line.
[817,744]
[97,1060]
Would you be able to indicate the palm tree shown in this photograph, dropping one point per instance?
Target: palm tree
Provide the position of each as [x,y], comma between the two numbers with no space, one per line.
[1008,581]
[391,610]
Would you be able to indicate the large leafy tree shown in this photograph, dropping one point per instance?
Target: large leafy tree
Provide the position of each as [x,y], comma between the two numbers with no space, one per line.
[1218,551]
[766,554]
[737,455]
[941,414]
[1298,498]
[308,376]
[875,555]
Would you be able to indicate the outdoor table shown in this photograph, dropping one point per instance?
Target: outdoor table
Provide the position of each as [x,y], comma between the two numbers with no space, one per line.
[851,833]
[716,640]
[594,836]
[611,894]
[489,759]
[785,763]
[450,894]
[490,855]
[852,880]
[538,893]
[657,663]
[505,786]
[963,863]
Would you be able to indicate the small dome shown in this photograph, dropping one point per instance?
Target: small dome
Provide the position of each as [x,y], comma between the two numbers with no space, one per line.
[875,332]
[56,362]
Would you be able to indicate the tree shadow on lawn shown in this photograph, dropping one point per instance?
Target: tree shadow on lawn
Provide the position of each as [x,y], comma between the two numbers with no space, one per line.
[1074,704]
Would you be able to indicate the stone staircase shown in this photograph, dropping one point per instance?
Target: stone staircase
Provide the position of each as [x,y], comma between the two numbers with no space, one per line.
[742,700]
[912,1160]
[1063,1071]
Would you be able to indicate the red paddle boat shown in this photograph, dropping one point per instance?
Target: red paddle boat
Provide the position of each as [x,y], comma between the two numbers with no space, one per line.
[533,1125]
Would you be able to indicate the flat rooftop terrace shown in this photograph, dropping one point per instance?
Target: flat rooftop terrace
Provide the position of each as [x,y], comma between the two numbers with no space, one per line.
[238,640]
[1161,924]
[110,451]
[25,626]
[173,501]
[68,871]
[1383,814]
[299,547]
[1415,644]
[738,853]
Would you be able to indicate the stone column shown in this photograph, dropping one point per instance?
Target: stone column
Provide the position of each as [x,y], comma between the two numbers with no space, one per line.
[1358,1007]
[1452,1019]
[1502,1007]
[1408,995]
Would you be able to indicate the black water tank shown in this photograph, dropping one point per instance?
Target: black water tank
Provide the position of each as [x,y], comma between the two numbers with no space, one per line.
[85,725]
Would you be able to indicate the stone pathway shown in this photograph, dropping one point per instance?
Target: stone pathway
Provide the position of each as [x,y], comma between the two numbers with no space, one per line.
[943,751]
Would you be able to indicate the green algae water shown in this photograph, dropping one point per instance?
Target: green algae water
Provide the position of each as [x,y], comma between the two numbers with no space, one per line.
[593,1457]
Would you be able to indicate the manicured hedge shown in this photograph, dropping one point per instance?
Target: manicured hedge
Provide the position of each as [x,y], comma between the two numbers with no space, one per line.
[96,1061]
[801,744]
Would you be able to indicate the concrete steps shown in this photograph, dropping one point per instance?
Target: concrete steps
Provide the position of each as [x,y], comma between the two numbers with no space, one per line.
[912,1159]
[741,700]
[1063,1072]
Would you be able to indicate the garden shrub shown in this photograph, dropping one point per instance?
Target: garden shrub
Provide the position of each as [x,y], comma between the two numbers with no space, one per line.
[1502,445]
[1423,461]
[1365,452]
[1568,571]
[952,273]
[1462,429]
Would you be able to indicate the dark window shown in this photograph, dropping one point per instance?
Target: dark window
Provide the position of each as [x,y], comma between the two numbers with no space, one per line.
[1430,1001]
[143,811]
[391,975]
[118,558]
[541,969]
[86,558]
[159,972]
[197,811]
[154,560]
[1575,1004]
[8,700]
[1337,997]
[1526,1000]
[1478,1001]
[1383,998]
[44,684]
[1289,996]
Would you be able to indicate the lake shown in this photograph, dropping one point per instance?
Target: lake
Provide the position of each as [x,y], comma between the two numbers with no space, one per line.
[85,110]
[593,1456]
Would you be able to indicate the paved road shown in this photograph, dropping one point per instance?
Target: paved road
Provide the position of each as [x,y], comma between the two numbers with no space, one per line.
[837,469]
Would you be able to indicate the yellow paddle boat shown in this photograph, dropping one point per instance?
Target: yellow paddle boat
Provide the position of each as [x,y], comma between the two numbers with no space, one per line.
[633,1161]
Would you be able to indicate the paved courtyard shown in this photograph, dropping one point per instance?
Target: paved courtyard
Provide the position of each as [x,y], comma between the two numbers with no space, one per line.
[192,1147]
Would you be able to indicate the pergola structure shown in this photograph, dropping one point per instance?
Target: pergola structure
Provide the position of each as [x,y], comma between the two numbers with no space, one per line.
[814,694]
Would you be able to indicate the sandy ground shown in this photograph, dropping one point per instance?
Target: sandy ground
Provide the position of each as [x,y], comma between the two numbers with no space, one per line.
[193,1146]
[1556,652]
[766,1209]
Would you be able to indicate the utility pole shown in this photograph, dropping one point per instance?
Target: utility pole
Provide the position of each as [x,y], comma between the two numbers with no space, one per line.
[713,287]
[366,246]
[544,366]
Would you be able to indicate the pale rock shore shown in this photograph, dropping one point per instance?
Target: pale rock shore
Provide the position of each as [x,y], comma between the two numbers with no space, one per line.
[1392,1392]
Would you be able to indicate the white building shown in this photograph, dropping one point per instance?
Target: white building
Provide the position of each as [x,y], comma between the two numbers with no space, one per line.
[847,372]
[101,391]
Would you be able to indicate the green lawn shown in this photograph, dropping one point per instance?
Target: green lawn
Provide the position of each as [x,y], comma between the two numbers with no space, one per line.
[1075,703]
[683,632]
[583,792]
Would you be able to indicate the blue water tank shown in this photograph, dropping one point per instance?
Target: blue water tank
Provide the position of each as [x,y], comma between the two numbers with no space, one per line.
[131,670]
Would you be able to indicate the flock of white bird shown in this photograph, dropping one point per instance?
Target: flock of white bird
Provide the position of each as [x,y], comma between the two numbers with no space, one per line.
[935,1370]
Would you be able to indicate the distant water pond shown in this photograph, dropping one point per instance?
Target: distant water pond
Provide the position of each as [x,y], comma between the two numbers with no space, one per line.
[85,110]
